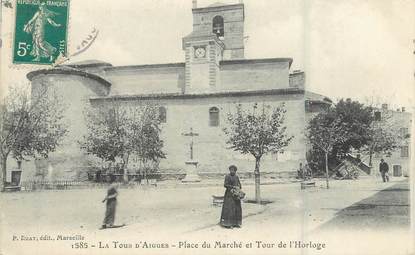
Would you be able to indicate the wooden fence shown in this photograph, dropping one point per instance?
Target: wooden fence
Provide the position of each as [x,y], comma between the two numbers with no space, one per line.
[67,185]
[51,185]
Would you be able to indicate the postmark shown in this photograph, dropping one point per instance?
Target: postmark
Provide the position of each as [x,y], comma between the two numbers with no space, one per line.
[41,31]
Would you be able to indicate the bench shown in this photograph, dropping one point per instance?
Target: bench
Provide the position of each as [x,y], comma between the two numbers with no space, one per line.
[11,188]
[217,200]
[152,182]
[308,184]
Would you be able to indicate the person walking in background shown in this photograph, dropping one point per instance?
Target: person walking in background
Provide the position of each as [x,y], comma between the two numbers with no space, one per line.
[231,210]
[384,169]
[111,200]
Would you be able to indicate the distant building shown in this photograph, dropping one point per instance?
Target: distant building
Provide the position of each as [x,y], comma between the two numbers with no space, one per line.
[399,159]
[196,93]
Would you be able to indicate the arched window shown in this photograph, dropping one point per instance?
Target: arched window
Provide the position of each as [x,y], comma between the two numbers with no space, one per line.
[214,117]
[162,114]
[217,26]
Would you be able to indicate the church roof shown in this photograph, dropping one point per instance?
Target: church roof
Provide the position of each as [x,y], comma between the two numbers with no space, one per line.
[216,4]
[269,92]
[65,70]
[88,63]
[255,61]
[218,7]
[199,34]
[146,66]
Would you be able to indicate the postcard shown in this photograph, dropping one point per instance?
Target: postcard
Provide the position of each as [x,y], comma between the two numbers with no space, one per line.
[205,127]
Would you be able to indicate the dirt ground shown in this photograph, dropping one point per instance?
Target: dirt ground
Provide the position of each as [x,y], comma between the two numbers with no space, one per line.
[352,217]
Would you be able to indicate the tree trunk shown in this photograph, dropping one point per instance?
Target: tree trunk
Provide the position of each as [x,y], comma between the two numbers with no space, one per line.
[370,157]
[327,170]
[3,162]
[125,164]
[370,161]
[257,181]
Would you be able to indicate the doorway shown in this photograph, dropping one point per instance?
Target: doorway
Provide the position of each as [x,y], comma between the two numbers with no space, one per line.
[397,170]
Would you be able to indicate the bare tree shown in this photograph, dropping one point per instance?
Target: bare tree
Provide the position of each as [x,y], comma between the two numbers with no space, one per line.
[116,131]
[324,131]
[30,125]
[257,132]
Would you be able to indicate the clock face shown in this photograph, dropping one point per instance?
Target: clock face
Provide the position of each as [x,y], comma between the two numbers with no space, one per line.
[200,52]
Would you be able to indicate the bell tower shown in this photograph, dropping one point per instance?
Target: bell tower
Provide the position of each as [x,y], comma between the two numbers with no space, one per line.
[218,34]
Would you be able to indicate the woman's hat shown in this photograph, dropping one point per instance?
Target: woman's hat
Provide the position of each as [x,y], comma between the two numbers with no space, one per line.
[233,167]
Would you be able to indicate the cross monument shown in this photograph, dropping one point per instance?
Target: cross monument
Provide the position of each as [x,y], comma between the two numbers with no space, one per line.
[191,134]
[191,165]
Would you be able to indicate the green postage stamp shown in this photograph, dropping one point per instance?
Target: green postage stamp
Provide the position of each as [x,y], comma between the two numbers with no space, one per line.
[40,32]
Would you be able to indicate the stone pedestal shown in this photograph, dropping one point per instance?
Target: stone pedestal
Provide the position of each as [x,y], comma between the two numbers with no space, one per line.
[191,172]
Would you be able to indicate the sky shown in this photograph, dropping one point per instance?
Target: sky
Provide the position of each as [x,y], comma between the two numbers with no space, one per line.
[362,49]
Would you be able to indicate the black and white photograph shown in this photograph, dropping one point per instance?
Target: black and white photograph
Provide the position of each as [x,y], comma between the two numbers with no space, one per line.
[207,127]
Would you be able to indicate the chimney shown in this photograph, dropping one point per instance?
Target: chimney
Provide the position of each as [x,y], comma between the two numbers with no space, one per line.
[384,106]
[403,109]
[194,4]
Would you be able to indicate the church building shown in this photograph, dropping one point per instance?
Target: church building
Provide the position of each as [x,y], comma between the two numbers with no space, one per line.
[194,95]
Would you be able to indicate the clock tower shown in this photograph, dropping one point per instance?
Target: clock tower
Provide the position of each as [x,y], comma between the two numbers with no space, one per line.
[217,35]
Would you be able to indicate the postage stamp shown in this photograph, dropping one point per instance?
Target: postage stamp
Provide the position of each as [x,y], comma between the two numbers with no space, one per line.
[40,32]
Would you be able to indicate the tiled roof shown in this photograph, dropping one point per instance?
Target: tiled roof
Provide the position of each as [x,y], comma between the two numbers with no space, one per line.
[88,63]
[255,61]
[68,71]
[287,91]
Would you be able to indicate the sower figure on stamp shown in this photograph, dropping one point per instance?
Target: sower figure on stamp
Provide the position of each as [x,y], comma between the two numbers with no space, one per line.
[36,26]
[111,199]
[384,169]
[231,210]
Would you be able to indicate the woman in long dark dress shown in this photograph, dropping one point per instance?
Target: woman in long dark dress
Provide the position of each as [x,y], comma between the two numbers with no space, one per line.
[231,210]
[111,199]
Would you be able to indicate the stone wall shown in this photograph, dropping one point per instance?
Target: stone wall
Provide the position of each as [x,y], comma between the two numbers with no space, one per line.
[254,75]
[210,149]
[132,80]
[297,80]
[236,75]
[68,162]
